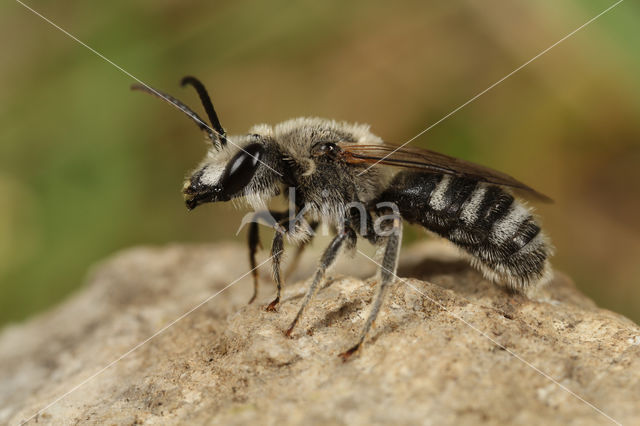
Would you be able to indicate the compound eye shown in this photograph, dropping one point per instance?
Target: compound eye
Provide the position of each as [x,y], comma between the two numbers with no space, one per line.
[240,169]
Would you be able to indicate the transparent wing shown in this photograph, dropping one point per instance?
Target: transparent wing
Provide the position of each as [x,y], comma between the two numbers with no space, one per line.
[432,162]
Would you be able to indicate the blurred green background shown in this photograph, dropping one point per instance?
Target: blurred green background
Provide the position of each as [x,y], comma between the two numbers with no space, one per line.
[88,167]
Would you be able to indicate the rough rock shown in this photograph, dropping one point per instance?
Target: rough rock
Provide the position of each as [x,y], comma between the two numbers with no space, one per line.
[448,348]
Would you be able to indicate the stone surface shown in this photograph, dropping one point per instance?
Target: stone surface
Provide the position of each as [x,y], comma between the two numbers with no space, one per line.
[448,348]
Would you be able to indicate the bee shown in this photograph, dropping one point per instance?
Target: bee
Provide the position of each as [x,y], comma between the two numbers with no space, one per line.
[343,175]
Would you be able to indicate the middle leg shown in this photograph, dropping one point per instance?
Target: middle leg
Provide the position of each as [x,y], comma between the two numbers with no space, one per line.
[296,257]
[387,277]
[327,260]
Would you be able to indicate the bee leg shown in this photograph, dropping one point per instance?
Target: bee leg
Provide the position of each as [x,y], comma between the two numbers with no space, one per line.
[327,260]
[254,244]
[299,250]
[277,248]
[387,277]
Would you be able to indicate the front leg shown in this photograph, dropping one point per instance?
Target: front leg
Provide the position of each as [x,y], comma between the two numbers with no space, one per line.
[295,228]
[254,244]
[272,217]
[277,248]
[327,260]
[387,277]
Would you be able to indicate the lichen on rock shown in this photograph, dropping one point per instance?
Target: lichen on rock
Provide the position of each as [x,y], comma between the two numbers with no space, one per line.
[448,348]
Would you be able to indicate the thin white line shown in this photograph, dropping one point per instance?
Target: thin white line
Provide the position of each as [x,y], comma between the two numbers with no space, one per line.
[143,342]
[495,84]
[515,355]
[134,77]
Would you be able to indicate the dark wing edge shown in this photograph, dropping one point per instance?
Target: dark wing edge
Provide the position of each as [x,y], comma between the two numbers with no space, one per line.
[433,162]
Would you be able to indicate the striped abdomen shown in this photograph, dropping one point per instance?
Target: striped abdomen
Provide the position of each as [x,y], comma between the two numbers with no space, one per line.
[499,232]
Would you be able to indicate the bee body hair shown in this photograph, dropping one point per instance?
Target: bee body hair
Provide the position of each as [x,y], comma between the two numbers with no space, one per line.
[347,177]
[500,233]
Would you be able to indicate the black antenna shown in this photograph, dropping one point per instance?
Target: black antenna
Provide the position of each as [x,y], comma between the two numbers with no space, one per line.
[207,104]
[182,107]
